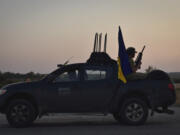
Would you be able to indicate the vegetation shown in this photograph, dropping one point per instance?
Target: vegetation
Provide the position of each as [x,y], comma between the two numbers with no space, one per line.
[8,77]
[176,80]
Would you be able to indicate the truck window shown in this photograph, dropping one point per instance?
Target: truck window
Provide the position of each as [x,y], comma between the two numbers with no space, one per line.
[95,74]
[68,76]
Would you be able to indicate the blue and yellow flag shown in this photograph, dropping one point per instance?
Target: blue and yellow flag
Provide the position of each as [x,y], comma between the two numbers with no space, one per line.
[124,67]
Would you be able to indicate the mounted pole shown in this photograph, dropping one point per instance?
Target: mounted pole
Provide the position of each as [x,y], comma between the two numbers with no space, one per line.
[95,43]
[105,42]
[100,36]
[97,39]
[94,49]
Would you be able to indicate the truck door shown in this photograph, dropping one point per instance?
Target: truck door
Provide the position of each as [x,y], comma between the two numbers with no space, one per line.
[97,88]
[64,93]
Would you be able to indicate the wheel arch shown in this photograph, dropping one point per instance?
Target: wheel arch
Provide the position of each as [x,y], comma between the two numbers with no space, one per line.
[22,95]
[137,94]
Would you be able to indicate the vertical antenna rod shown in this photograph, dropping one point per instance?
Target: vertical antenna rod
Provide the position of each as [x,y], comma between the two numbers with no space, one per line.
[105,42]
[100,36]
[95,42]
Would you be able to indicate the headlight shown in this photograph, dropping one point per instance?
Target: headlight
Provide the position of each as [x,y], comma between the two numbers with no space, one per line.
[2,91]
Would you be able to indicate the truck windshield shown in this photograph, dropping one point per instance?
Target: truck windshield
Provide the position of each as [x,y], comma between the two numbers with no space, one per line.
[53,74]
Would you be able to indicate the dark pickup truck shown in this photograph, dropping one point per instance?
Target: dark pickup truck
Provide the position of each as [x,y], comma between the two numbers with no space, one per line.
[91,87]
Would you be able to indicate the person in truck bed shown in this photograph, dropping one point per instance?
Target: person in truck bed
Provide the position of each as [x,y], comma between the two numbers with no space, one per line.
[135,75]
[131,54]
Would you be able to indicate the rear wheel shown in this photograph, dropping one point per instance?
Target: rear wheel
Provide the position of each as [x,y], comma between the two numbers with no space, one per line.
[20,113]
[134,111]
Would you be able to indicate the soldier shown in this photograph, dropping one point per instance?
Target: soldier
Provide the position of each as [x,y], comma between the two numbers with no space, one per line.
[134,76]
[131,54]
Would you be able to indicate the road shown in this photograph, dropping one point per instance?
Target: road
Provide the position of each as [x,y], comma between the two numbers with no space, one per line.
[159,124]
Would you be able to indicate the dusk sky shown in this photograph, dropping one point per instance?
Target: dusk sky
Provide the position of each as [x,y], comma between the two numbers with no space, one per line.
[36,35]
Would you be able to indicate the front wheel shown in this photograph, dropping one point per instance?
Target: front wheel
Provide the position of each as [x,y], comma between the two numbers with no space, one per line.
[20,113]
[134,111]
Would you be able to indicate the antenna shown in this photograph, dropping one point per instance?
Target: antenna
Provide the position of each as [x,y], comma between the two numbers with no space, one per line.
[100,36]
[65,63]
[97,38]
[105,42]
[95,42]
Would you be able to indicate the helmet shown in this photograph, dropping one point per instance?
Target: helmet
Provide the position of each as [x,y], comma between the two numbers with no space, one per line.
[131,50]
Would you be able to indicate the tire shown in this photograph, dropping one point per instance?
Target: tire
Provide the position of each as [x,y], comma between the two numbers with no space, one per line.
[134,111]
[20,113]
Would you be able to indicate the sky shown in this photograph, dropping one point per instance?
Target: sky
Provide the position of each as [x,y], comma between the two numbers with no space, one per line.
[36,35]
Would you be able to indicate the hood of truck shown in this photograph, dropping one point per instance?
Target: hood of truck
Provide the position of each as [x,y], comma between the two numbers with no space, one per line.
[22,85]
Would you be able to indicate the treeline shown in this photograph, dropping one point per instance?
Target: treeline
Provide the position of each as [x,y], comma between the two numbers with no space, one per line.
[175,76]
[176,80]
[8,77]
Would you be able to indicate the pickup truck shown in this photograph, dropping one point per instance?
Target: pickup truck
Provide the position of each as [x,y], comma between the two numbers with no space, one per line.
[90,87]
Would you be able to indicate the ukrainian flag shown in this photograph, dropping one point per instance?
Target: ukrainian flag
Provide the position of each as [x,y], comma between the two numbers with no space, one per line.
[124,67]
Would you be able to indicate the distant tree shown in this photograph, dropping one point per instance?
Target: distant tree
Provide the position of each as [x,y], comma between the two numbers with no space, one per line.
[149,69]
[8,77]
[30,75]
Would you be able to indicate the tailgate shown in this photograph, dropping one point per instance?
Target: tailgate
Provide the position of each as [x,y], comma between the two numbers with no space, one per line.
[164,92]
